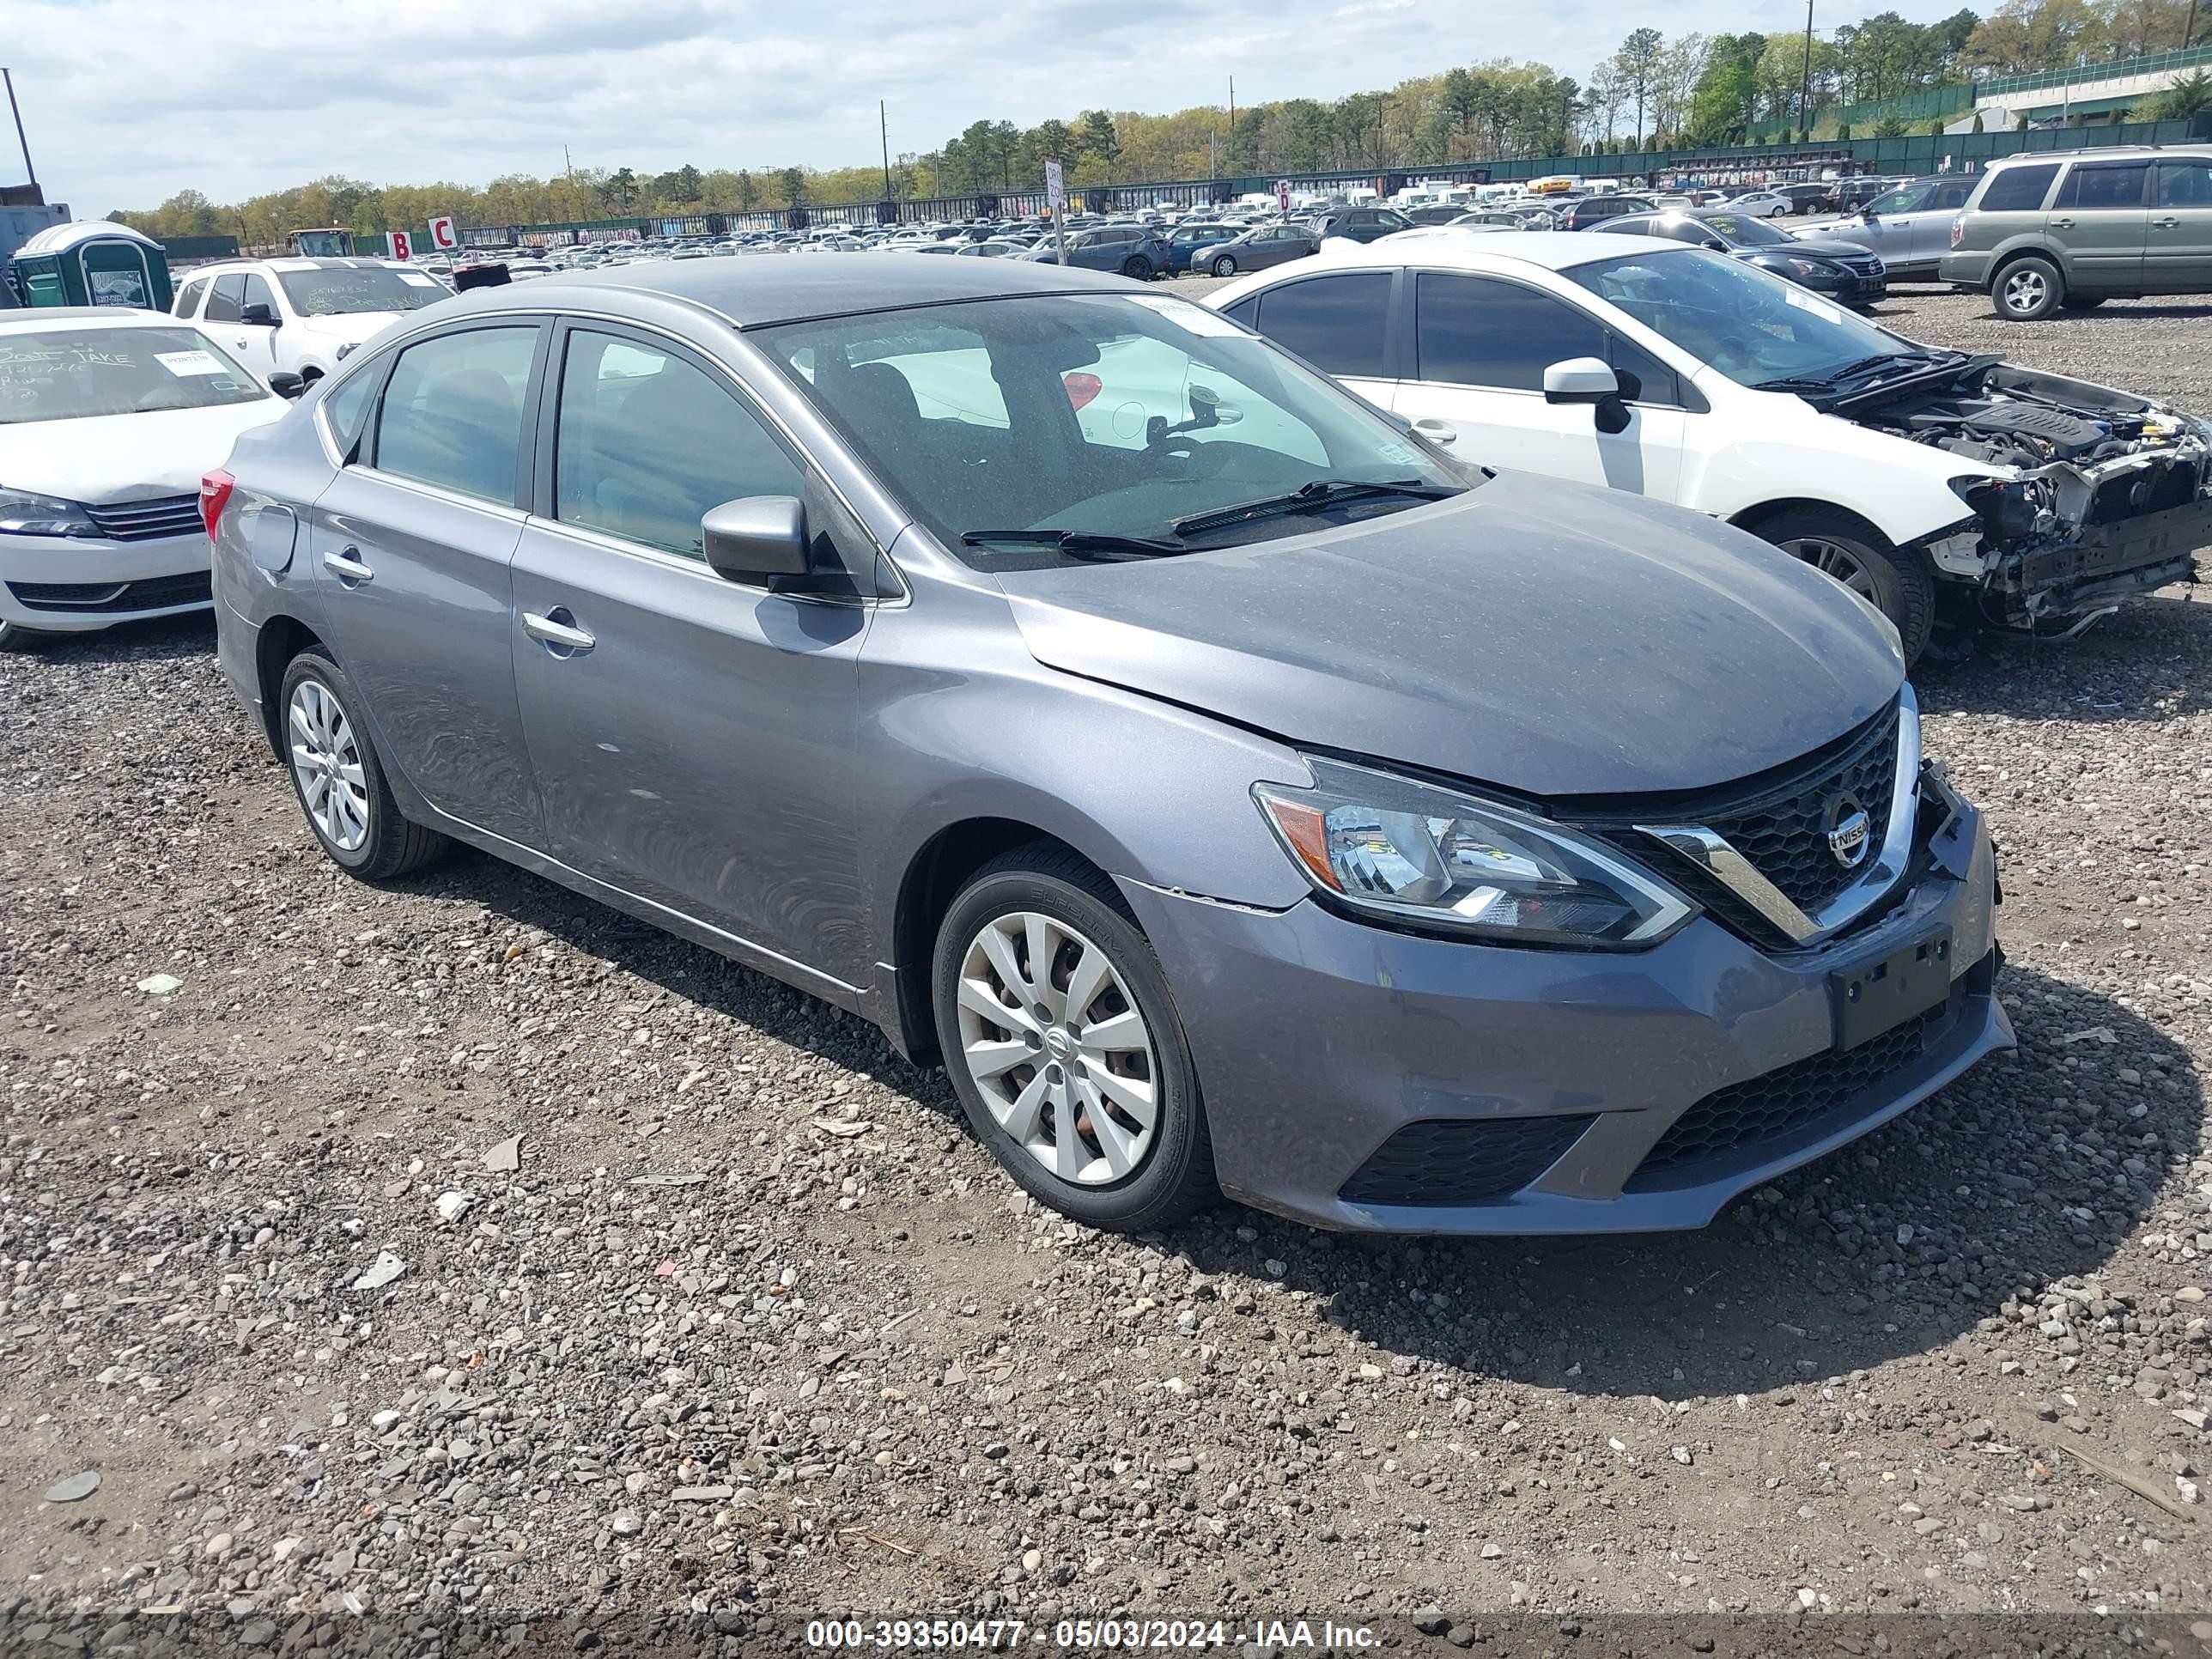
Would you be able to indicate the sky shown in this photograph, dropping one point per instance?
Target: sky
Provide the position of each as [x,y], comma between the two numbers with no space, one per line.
[126,102]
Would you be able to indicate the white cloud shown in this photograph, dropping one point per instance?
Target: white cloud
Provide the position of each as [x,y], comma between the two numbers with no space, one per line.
[127,102]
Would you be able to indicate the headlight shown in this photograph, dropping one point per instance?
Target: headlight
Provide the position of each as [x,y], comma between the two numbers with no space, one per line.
[1390,847]
[22,513]
[1810,267]
[2008,508]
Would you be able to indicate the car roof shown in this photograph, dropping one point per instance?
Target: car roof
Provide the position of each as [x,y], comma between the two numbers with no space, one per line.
[1551,250]
[289,262]
[32,320]
[2126,152]
[754,293]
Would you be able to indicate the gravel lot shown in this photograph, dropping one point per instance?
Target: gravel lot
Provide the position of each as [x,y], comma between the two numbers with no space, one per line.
[749,1325]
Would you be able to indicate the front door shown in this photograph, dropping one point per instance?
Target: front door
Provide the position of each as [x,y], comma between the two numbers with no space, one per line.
[2177,255]
[1481,345]
[412,558]
[2100,224]
[692,735]
[250,346]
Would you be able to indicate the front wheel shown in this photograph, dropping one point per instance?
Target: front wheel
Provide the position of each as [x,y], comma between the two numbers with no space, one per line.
[1137,267]
[2028,289]
[1057,1025]
[1226,265]
[1898,584]
[338,779]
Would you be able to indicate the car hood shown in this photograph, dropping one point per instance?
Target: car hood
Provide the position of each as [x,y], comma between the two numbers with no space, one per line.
[127,458]
[1835,247]
[1545,638]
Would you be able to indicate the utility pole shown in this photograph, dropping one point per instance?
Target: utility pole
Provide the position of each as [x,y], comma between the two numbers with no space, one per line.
[884,130]
[2189,30]
[21,143]
[1231,138]
[1805,92]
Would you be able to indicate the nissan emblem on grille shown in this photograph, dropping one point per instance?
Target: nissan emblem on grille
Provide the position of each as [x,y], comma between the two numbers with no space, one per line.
[1848,831]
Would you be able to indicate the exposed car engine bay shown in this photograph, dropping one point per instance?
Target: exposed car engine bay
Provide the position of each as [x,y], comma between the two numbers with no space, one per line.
[2097,494]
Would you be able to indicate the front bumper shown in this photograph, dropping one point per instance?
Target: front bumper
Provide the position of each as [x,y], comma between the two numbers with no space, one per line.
[73,585]
[1319,1039]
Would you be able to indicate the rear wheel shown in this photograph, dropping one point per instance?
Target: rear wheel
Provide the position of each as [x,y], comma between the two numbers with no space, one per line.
[1137,267]
[1057,1025]
[2028,289]
[1898,584]
[1224,264]
[339,780]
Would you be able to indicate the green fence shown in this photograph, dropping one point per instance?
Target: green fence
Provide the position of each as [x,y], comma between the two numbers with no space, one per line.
[2111,69]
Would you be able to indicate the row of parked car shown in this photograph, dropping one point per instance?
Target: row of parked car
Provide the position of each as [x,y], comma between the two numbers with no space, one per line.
[1356,746]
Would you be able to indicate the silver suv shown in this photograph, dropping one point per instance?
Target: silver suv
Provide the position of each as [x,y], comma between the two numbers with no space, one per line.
[2049,232]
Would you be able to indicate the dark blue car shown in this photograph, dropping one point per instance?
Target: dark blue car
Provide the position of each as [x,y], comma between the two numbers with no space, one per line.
[1189,241]
[1137,250]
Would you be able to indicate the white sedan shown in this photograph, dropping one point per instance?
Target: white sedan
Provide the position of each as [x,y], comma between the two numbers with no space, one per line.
[1944,488]
[1761,205]
[108,419]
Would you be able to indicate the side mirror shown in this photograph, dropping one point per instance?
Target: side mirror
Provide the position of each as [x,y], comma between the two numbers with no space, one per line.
[285,384]
[1580,381]
[259,314]
[1714,244]
[756,536]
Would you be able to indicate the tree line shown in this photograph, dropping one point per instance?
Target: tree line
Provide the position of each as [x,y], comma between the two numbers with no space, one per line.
[1651,92]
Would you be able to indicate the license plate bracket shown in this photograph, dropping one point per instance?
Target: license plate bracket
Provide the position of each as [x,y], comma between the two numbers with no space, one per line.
[1878,995]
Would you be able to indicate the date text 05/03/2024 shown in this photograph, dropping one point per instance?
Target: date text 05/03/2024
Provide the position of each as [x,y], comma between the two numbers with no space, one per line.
[1110,1634]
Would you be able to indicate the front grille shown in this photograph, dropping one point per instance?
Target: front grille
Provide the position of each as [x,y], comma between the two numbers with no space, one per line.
[1784,831]
[147,520]
[1862,265]
[1765,1108]
[153,593]
[1454,1160]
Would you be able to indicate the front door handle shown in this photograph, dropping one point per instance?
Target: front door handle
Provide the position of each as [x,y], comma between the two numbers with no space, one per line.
[2166,223]
[558,631]
[347,567]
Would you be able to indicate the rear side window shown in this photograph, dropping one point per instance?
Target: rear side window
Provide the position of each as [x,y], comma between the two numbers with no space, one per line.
[2120,186]
[1335,323]
[188,298]
[1950,195]
[452,411]
[2185,182]
[2018,190]
[649,442]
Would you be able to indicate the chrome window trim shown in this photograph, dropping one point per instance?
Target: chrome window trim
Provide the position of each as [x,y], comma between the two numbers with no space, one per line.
[441,493]
[1730,868]
[601,539]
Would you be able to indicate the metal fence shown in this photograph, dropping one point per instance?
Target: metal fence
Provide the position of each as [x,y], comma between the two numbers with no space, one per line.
[2110,69]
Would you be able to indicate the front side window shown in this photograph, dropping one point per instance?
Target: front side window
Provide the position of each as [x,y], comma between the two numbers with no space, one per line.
[257,293]
[1335,323]
[2092,187]
[648,443]
[73,373]
[452,414]
[1103,415]
[337,290]
[1477,330]
[222,304]
[2018,190]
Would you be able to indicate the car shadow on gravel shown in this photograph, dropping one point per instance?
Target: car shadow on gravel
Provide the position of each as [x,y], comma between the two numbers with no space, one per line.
[166,639]
[2144,663]
[2030,1168]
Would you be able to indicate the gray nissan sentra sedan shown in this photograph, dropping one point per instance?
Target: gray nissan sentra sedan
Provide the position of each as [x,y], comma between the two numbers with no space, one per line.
[1235,792]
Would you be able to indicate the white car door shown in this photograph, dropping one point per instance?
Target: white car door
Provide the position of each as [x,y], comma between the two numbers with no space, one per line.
[252,346]
[1481,345]
[1340,324]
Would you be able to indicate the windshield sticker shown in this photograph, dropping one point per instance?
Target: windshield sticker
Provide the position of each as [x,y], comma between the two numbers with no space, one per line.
[188,362]
[417,279]
[1195,319]
[1398,454]
[1804,301]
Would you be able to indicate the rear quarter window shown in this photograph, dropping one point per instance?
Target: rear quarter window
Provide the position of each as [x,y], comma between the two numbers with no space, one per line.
[2017,190]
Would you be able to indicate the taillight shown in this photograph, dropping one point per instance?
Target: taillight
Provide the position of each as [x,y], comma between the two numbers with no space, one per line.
[214,495]
[1081,388]
[1958,230]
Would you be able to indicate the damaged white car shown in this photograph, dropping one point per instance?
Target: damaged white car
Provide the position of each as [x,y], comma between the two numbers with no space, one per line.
[1955,492]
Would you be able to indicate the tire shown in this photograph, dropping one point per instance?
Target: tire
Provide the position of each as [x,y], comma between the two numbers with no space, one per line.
[1106,1171]
[14,636]
[2027,289]
[1226,265]
[388,845]
[1840,544]
[1137,267]
[2083,301]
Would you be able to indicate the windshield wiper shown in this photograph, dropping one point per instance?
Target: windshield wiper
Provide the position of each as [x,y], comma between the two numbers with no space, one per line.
[1835,377]
[1078,543]
[1312,497]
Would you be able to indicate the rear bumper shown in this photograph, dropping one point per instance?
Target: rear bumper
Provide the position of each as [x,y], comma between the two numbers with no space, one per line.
[1318,1040]
[70,585]
[1966,270]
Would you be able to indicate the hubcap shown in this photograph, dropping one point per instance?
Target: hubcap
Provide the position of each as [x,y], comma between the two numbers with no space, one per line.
[1056,1044]
[1831,559]
[2024,290]
[327,763]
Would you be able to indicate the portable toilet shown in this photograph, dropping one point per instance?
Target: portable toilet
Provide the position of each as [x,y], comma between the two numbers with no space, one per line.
[92,261]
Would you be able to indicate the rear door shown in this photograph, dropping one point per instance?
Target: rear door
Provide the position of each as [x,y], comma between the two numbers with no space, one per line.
[2177,254]
[1481,345]
[1886,225]
[413,550]
[2099,223]
[1929,225]
[1340,324]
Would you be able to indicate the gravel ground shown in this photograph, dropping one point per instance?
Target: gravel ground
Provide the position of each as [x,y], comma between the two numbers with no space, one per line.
[747,1324]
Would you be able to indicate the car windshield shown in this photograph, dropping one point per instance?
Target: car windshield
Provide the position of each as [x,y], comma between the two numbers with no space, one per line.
[337,290]
[1745,231]
[1103,415]
[73,373]
[1751,326]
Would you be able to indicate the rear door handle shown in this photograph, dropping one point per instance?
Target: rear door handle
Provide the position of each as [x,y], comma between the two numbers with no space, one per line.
[347,567]
[557,629]
[2166,223]
[2062,224]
